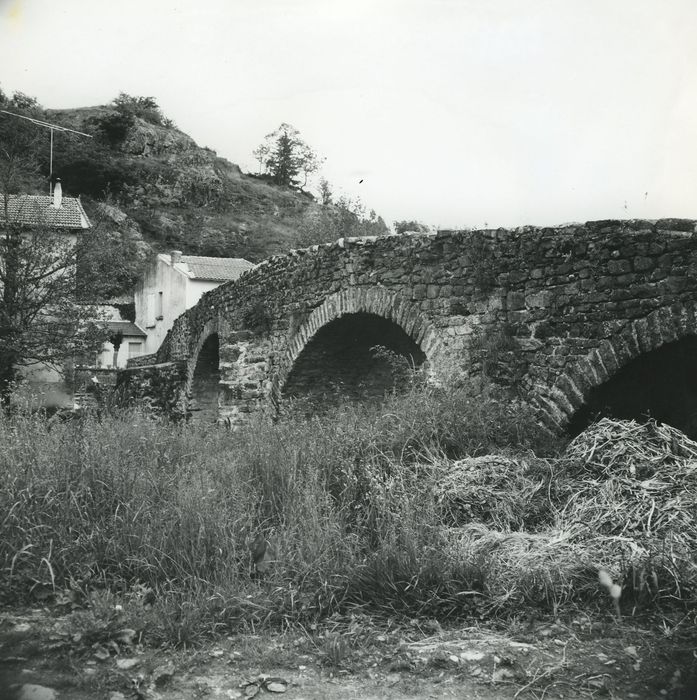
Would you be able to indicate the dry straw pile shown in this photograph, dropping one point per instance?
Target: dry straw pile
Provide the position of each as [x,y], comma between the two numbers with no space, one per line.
[635,498]
[622,498]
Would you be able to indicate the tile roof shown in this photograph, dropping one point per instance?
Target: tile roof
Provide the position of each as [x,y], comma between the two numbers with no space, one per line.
[200,267]
[38,210]
[126,328]
[216,269]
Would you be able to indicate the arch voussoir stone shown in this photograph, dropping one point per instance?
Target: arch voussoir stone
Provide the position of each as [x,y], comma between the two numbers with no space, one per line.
[666,328]
[684,319]
[375,300]
[583,376]
[570,390]
[599,368]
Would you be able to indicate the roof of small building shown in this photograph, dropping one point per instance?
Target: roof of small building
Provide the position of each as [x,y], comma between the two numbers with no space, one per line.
[216,269]
[210,269]
[126,328]
[38,210]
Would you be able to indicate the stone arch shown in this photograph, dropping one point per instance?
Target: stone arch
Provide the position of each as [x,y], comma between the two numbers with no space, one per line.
[559,402]
[376,301]
[203,374]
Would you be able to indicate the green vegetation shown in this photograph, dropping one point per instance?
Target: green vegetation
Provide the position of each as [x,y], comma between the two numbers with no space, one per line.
[40,321]
[145,108]
[344,218]
[169,193]
[359,507]
[410,225]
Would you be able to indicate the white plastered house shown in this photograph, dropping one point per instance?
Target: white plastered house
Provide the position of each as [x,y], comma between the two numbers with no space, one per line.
[44,385]
[127,340]
[173,283]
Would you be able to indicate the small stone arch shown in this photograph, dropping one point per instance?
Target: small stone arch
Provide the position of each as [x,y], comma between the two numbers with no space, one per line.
[376,301]
[203,374]
[559,402]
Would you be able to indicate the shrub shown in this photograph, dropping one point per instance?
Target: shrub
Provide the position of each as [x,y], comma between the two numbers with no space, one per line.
[145,108]
[114,127]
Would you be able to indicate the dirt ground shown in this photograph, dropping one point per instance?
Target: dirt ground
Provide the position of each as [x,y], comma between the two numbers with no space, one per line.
[42,657]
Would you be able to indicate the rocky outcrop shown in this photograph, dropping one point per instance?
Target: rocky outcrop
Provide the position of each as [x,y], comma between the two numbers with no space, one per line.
[152,140]
[181,195]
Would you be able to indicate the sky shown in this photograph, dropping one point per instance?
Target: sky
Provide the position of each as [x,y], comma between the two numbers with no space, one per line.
[456,113]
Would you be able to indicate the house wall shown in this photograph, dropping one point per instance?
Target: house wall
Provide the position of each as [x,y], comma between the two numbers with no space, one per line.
[196,289]
[105,358]
[160,277]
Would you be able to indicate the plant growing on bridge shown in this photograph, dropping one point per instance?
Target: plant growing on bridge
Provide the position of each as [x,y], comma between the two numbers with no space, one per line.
[497,350]
[256,317]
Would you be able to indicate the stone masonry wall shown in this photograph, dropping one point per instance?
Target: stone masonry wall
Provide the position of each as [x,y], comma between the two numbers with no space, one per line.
[161,386]
[549,311]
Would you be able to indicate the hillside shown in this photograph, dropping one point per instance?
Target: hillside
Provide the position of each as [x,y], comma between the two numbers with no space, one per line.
[180,195]
[150,187]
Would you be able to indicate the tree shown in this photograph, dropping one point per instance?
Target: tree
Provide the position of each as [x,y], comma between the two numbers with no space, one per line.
[309,162]
[113,128]
[25,103]
[284,155]
[261,153]
[145,108]
[325,191]
[41,321]
[111,258]
[20,144]
[345,219]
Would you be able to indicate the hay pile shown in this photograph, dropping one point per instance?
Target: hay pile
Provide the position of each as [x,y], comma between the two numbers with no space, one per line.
[624,499]
[499,491]
[635,498]
[611,448]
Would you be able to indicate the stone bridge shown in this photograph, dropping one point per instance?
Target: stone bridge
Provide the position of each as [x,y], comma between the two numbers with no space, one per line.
[576,319]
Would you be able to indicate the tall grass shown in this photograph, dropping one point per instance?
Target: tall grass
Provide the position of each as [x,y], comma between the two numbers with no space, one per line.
[160,515]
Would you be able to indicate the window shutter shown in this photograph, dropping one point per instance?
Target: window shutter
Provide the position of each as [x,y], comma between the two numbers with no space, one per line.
[150,310]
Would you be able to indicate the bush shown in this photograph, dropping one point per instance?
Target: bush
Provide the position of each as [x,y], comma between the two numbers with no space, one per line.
[114,127]
[145,108]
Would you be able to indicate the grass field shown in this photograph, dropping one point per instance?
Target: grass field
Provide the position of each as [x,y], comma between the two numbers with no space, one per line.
[433,504]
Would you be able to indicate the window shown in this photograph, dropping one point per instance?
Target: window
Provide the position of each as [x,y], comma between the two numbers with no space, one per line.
[134,349]
[158,315]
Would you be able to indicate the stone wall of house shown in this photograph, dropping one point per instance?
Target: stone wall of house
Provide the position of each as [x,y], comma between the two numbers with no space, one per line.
[551,312]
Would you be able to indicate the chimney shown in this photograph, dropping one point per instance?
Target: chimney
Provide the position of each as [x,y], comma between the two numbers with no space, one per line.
[57,195]
[175,256]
